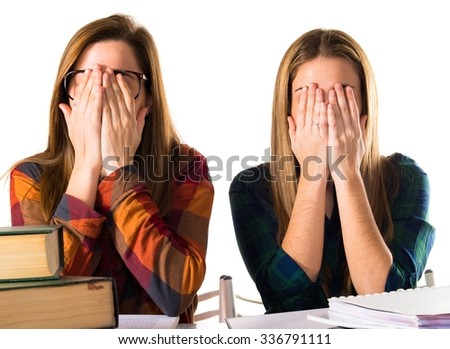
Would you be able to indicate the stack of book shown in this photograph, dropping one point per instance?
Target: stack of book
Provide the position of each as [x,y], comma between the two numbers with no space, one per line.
[34,294]
[422,307]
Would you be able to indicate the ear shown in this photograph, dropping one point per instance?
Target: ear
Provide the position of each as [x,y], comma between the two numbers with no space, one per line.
[140,120]
[149,103]
[362,124]
[65,109]
[149,111]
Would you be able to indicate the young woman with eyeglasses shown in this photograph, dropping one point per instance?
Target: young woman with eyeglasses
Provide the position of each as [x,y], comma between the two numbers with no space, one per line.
[134,201]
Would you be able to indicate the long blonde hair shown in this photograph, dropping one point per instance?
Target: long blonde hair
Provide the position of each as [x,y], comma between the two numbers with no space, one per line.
[327,43]
[159,137]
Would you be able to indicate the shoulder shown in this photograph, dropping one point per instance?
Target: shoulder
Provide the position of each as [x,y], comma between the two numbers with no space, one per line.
[184,154]
[405,178]
[253,175]
[188,160]
[251,190]
[28,169]
[253,180]
[184,150]
[407,168]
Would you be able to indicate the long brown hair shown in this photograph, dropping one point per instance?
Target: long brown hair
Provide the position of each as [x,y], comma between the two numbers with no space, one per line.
[159,137]
[374,168]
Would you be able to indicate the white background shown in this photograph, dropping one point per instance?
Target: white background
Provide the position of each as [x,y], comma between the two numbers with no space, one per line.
[219,60]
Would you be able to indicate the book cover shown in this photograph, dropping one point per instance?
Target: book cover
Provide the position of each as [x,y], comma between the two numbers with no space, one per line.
[31,252]
[70,302]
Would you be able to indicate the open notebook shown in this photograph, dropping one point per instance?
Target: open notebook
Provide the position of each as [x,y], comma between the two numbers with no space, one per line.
[423,307]
[142,321]
[292,319]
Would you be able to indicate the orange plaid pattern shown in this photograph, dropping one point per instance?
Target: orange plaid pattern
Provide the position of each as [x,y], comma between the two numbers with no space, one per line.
[158,262]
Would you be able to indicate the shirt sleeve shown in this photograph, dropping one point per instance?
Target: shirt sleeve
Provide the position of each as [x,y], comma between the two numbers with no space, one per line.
[165,255]
[413,234]
[25,196]
[81,224]
[283,285]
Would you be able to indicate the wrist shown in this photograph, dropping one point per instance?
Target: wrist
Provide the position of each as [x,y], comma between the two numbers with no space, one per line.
[87,170]
[112,166]
[314,172]
[348,179]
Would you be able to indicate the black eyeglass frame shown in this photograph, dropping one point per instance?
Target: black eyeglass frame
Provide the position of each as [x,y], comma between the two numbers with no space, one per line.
[140,76]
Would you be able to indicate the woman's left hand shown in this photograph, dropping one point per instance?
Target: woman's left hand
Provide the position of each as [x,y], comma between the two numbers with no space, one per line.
[122,125]
[346,129]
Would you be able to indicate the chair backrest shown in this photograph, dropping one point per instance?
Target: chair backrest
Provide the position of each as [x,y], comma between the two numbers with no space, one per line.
[221,300]
[227,306]
[429,278]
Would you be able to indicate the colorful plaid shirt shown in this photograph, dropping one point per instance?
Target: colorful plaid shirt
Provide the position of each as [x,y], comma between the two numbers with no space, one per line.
[158,263]
[282,283]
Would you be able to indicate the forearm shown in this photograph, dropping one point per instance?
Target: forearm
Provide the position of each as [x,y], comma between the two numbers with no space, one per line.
[80,222]
[282,283]
[82,228]
[83,184]
[368,257]
[304,237]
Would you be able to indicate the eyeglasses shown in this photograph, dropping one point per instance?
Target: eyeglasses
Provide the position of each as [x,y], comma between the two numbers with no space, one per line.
[75,77]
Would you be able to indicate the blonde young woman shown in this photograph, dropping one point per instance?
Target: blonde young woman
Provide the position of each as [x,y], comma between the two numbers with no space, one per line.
[135,203]
[329,215]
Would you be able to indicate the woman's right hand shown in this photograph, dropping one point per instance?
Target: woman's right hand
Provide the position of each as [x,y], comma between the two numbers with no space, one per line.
[308,131]
[84,118]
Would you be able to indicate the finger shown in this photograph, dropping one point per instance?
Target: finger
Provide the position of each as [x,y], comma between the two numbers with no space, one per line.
[332,124]
[125,89]
[300,117]
[310,104]
[336,117]
[125,100]
[83,106]
[107,119]
[115,97]
[353,107]
[97,107]
[78,85]
[87,95]
[115,86]
[116,89]
[343,106]
[109,99]
[323,121]
[119,112]
[317,107]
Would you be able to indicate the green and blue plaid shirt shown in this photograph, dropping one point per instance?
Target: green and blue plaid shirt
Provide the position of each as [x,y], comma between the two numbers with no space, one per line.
[282,283]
